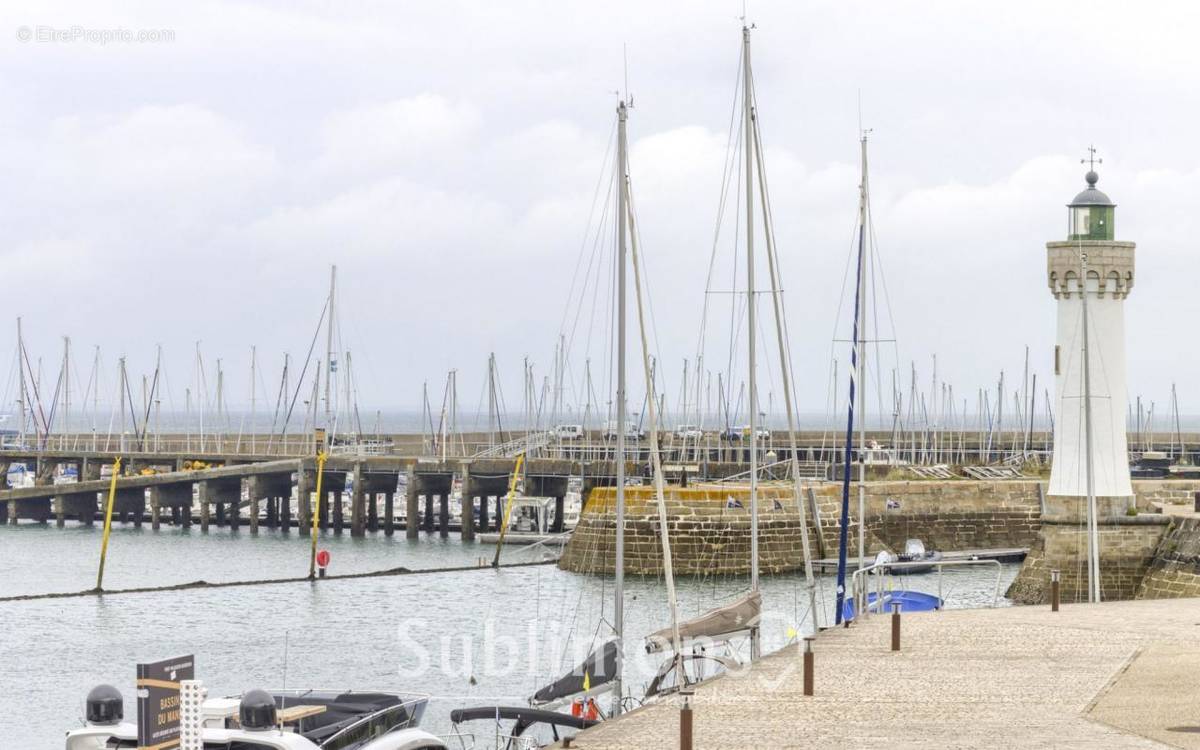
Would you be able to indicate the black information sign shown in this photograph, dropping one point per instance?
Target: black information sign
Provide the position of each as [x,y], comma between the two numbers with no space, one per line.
[158,701]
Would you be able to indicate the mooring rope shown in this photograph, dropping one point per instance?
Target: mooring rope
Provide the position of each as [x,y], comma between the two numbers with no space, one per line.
[266,581]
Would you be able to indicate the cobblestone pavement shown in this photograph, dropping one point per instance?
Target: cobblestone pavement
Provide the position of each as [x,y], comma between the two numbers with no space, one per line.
[1113,675]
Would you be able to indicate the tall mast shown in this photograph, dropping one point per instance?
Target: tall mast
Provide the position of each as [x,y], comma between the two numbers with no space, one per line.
[66,390]
[154,394]
[855,400]
[201,392]
[785,371]
[655,456]
[862,359]
[121,385]
[491,400]
[253,393]
[1093,528]
[220,405]
[21,393]
[330,355]
[619,563]
[747,136]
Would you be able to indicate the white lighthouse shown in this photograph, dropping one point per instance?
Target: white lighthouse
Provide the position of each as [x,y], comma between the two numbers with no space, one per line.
[1091,253]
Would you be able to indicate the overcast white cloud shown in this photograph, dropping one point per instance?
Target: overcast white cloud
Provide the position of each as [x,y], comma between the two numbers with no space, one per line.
[445,156]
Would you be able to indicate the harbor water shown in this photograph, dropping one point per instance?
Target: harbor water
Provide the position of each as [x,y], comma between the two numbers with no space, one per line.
[478,637]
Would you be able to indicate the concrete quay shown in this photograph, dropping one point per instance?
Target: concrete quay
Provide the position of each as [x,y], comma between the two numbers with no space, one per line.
[1112,675]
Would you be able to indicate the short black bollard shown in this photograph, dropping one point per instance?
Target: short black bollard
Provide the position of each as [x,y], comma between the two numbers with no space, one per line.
[895,626]
[808,666]
[685,721]
[1054,590]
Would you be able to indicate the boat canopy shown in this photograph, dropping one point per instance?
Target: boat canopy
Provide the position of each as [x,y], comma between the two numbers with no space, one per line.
[742,614]
[599,668]
[524,716]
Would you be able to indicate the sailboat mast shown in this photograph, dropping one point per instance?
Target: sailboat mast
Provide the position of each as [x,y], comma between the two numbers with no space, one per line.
[862,359]
[330,355]
[21,392]
[785,371]
[253,395]
[66,390]
[1093,529]
[96,394]
[619,569]
[856,374]
[747,136]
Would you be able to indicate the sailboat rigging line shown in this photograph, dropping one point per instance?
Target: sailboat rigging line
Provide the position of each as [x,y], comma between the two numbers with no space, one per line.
[149,405]
[307,361]
[732,141]
[784,367]
[604,170]
[655,458]
[633,227]
[33,385]
[844,524]
[132,413]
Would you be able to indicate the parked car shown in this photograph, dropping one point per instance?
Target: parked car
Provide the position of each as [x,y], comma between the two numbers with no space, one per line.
[688,432]
[731,434]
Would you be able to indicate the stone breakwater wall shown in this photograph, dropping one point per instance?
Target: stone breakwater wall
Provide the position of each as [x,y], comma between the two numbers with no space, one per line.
[1132,546]
[1127,550]
[1175,570]
[709,525]
[709,529]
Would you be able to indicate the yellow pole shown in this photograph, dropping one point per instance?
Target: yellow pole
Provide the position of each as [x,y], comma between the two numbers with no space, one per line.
[112,496]
[316,513]
[512,491]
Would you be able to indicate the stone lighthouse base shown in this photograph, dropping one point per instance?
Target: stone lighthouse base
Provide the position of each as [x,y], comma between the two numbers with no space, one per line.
[1127,547]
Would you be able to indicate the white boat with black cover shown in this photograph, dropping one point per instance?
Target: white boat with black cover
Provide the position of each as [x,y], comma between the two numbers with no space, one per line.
[277,720]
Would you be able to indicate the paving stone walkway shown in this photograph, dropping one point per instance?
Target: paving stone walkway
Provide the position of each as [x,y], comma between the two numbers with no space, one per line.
[1113,675]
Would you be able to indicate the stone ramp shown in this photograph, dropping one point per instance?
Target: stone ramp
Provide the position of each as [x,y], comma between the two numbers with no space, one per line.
[1019,677]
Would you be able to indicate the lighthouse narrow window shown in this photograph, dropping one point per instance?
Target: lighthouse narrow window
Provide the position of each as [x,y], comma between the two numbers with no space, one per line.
[1081,219]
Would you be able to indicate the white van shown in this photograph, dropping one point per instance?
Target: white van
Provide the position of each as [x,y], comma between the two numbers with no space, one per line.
[568,431]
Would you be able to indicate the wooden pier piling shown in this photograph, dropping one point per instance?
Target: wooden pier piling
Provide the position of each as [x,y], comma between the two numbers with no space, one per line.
[202,498]
[339,513]
[155,507]
[357,501]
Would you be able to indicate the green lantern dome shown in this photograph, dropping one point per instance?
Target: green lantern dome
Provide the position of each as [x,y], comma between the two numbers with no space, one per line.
[1091,213]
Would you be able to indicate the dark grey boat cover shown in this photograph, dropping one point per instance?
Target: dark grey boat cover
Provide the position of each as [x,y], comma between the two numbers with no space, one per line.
[600,667]
[739,615]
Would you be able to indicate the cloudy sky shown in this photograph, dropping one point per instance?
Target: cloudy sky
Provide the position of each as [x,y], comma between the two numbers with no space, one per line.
[445,155]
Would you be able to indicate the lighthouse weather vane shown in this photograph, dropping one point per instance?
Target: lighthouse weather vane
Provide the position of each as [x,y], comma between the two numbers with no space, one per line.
[1091,159]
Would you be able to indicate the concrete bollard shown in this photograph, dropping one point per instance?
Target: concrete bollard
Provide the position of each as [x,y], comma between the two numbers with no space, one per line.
[895,626]
[685,721]
[1054,590]
[808,665]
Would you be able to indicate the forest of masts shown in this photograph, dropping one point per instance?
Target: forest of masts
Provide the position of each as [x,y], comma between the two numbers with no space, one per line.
[923,419]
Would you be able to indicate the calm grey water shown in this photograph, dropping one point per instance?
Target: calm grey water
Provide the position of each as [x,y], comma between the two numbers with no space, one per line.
[511,630]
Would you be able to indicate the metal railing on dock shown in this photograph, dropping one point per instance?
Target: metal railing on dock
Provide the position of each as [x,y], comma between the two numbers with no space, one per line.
[860,581]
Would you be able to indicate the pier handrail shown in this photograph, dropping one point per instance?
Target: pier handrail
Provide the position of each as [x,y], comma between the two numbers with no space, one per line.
[859,590]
